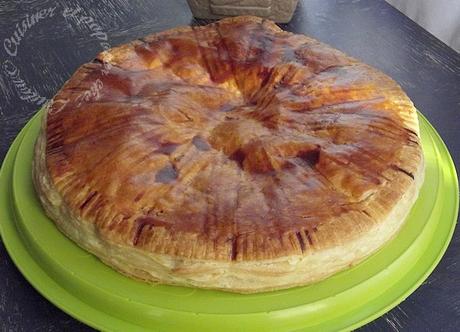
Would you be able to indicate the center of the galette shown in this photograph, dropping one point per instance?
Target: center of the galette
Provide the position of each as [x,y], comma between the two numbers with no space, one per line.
[258,148]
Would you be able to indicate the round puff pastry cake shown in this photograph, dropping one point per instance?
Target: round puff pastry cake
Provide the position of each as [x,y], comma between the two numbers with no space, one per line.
[232,156]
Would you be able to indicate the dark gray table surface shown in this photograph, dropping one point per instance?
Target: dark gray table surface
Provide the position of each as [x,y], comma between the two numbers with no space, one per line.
[52,44]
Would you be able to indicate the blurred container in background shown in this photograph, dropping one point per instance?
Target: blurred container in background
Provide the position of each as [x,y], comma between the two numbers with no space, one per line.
[280,11]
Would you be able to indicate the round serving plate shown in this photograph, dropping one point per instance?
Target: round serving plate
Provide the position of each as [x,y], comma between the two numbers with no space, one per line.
[78,283]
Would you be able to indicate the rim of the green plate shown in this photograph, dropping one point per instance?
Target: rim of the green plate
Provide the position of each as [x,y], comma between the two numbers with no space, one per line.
[395,298]
[49,251]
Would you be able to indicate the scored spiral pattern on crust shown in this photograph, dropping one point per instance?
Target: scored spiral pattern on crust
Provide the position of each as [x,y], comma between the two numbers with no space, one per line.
[232,141]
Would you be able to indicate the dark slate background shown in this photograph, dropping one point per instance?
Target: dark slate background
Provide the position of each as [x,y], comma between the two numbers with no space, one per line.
[371,30]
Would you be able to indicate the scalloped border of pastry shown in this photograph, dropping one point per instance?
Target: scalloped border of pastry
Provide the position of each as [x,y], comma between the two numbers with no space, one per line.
[236,276]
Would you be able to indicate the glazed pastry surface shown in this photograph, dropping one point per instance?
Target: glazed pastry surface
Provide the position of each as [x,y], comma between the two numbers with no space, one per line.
[234,156]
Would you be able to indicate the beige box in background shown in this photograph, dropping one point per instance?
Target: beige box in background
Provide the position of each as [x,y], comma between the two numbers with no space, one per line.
[277,10]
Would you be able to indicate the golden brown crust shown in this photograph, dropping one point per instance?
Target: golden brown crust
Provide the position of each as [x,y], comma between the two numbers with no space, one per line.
[232,142]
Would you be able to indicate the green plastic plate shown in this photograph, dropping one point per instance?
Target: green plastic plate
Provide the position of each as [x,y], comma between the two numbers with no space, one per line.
[82,286]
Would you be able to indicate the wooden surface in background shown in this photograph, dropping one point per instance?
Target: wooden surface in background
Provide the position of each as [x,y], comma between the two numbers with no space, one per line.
[52,40]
